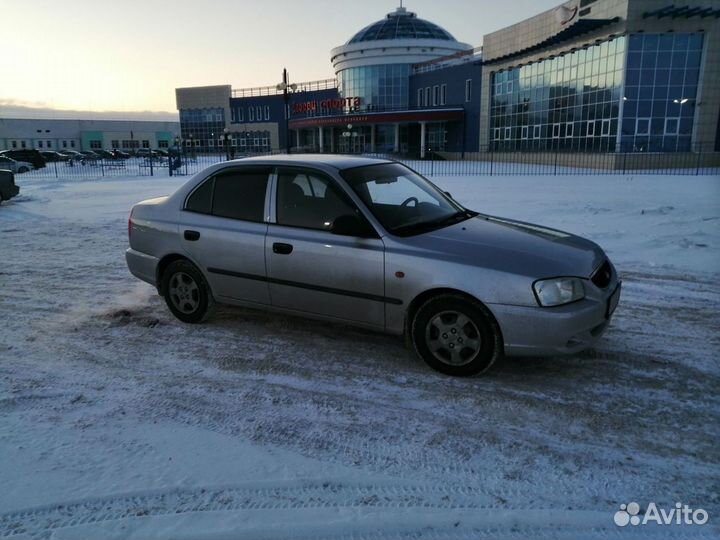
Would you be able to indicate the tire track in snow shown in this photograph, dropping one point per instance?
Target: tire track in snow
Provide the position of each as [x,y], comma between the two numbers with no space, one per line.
[39,522]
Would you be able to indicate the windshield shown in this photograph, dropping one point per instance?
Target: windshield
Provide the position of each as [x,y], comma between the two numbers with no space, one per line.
[404,202]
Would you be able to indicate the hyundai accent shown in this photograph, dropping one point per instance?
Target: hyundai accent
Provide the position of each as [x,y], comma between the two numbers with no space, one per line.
[372,243]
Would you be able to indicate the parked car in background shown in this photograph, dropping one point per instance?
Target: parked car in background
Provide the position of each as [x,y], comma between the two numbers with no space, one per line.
[119,154]
[8,189]
[104,154]
[90,155]
[15,166]
[372,243]
[73,154]
[145,152]
[51,155]
[29,155]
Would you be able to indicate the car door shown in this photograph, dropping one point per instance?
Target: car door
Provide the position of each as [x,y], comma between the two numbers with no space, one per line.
[223,230]
[314,270]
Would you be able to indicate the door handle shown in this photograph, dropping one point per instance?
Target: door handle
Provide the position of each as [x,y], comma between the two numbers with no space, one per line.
[192,235]
[282,249]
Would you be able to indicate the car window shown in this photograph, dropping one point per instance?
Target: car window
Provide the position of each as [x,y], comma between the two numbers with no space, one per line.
[403,201]
[200,200]
[310,200]
[240,195]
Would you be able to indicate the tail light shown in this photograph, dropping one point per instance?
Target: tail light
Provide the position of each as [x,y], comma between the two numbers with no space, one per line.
[130,225]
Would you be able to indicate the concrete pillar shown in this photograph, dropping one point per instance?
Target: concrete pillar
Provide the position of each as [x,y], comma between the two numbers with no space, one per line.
[320,139]
[332,140]
[422,140]
[396,143]
[297,138]
[372,137]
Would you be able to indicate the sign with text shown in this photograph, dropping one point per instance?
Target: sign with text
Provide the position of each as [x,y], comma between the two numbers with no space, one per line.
[333,103]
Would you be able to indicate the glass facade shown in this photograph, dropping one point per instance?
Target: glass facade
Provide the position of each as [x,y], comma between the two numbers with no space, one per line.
[661,84]
[202,128]
[570,102]
[380,87]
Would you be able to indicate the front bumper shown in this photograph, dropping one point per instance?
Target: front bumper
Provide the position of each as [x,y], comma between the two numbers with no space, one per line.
[539,331]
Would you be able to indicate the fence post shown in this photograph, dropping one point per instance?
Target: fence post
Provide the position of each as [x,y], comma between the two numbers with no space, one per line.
[699,154]
[102,167]
[624,162]
[56,172]
[151,164]
[491,161]
[432,161]
[556,158]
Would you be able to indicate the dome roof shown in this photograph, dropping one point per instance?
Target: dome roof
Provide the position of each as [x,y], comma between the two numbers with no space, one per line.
[401,24]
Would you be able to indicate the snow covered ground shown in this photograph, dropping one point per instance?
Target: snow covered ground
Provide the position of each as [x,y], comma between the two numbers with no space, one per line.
[117,421]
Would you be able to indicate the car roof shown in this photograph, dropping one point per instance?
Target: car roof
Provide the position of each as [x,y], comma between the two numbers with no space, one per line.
[337,161]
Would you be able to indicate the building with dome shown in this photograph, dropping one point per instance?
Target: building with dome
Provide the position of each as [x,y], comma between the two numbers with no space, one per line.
[601,76]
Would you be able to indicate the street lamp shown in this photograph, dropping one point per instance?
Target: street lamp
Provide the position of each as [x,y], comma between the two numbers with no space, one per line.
[286,89]
[226,140]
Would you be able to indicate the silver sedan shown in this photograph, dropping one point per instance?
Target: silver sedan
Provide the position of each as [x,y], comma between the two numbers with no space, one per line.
[372,243]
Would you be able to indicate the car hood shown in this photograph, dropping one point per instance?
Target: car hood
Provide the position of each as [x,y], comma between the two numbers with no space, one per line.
[512,246]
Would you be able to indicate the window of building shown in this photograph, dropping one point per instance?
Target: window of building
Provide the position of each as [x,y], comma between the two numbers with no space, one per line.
[72,144]
[258,113]
[197,142]
[536,132]
[496,134]
[605,127]
[509,87]
[569,129]
[508,133]
[310,201]
[95,145]
[251,114]
[427,96]
[642,126]
[556,131]
[211,143]
[40,144]
[14,144]
[524,132]
[420,97]
[146,144]
[163,143]
[267,112]
[468,90]
[240,195]
[443,94]
[671,126]
[436,95]
[22,144]
[49,144]
[113,144]
[591,128]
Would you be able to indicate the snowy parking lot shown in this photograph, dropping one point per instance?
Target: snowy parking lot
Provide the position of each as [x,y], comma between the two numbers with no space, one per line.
[118,421]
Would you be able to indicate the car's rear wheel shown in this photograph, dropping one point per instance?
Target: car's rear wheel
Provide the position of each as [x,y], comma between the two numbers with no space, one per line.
[186,292]
[456,335]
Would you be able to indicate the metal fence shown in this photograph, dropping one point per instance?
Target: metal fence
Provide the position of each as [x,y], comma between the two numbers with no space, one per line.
[434,163]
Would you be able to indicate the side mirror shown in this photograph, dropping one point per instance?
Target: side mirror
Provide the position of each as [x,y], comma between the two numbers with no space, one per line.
[350,225]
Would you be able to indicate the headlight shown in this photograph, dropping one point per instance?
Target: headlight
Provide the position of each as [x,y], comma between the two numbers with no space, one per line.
[558,291]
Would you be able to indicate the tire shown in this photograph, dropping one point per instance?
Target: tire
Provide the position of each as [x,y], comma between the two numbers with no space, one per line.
[186,292]
[23,170]
[456,335]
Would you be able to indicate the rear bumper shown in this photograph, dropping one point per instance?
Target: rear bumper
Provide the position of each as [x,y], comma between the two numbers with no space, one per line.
[142,266]
[537,331]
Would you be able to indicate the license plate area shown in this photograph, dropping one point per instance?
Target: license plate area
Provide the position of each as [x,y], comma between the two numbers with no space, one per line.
[613,301]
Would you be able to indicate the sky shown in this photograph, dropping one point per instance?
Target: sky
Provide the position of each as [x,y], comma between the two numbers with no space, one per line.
[98,55]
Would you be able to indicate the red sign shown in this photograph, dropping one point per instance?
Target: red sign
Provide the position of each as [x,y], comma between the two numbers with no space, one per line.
[333,103]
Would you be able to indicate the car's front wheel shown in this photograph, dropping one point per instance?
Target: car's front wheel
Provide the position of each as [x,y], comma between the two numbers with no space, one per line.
[456,335]
[186,292]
